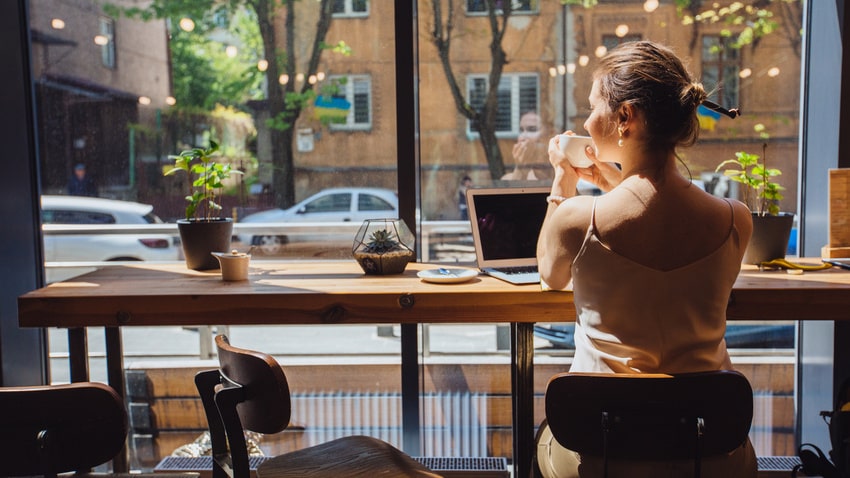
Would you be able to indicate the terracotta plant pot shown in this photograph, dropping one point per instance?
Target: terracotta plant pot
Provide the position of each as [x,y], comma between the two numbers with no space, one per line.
[200,238]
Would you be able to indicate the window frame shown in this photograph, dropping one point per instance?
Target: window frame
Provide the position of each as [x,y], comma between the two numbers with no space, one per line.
[349,12]
[347,90]
[725,93]
[106,27]
[533,9]
[516,109]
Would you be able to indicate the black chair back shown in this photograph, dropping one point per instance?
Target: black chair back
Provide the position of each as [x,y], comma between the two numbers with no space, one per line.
[652,417]
[45,430]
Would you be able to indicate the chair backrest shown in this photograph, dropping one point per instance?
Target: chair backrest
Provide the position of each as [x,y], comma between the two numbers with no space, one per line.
[52,429]
[266,406]
[658,417]
[249,391]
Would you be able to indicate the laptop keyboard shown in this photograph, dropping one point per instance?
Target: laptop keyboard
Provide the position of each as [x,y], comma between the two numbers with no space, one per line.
[518,270]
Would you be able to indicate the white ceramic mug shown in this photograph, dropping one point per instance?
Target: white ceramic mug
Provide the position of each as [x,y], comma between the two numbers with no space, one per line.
[573,148]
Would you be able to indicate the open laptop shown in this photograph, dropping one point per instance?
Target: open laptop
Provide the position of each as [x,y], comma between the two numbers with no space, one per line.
[505,225]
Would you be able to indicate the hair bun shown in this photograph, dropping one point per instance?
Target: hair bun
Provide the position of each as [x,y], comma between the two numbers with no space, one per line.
[693,95]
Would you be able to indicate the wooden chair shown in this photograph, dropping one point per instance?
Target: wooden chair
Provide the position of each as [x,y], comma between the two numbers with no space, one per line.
[250,392]
[652,417]
[51,429]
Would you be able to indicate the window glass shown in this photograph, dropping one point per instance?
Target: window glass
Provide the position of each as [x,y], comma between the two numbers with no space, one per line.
[106,40]
[350,8]
[296,127]
[517,94]
[331,203]
[480,6]
[721,69]
[350,106]
[368,202]
[76,217]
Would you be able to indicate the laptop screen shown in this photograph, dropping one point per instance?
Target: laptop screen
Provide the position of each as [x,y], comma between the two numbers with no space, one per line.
[505,224]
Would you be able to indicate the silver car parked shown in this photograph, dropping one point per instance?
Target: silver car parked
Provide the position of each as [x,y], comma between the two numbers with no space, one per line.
[344,205]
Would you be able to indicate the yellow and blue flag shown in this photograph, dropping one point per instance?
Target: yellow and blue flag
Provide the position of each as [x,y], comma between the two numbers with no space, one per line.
[707,118]
[332,108]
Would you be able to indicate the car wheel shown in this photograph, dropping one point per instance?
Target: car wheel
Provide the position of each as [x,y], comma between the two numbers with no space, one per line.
[270,245]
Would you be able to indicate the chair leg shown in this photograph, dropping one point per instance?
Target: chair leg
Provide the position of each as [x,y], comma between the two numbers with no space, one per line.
[206,382]
[226,401]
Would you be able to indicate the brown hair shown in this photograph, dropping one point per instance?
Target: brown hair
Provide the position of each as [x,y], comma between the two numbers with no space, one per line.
[651,78]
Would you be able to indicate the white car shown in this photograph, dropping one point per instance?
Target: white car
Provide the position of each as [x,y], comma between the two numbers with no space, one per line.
[330,205]
[75,210]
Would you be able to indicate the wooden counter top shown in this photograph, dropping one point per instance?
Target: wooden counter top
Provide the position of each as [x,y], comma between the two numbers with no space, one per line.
[282,292]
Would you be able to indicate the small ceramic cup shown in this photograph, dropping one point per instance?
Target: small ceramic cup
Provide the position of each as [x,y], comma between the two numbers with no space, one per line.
[234,265]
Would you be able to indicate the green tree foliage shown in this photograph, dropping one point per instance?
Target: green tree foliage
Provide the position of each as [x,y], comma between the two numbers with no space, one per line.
[208,76]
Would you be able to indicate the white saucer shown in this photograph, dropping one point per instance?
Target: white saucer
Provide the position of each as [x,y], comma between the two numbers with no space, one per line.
[447,275]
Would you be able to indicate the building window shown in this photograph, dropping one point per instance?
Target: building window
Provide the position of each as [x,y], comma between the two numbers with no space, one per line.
[612,41]
[522,6]
[721,64]
[518,94]
[350,8]
[106,40]
[351,106]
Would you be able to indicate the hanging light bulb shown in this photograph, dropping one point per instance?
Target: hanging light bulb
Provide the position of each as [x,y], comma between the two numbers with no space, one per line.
[283,79]
[263,65]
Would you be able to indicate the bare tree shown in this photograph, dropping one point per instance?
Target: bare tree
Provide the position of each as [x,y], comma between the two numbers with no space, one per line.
[484,119]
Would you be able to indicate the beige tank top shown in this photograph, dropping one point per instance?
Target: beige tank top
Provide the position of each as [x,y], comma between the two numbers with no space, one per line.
[635,319]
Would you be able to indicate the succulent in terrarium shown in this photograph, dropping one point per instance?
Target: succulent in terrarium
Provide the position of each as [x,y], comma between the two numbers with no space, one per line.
[381,241]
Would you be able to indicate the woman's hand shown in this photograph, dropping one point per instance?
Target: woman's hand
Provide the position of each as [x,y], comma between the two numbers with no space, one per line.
[606,176]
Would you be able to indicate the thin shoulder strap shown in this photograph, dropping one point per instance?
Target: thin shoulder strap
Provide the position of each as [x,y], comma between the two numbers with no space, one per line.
[593,214]
[732,210]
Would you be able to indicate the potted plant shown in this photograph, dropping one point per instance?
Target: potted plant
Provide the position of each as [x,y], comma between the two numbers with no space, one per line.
[383,246]
[771,228]
[203,230]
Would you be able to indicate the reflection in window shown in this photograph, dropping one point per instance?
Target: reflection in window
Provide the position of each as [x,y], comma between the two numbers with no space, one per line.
[518,94]
[350,8]
[355,96]
[720,68]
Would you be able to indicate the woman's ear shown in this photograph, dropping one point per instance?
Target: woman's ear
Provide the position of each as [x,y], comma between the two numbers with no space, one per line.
[625,114]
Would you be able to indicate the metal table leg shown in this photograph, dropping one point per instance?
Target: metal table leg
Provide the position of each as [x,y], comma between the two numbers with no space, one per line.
[115,378]
[78,354]
[522,381]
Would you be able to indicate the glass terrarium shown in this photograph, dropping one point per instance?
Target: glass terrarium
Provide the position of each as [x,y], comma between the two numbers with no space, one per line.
[383,246]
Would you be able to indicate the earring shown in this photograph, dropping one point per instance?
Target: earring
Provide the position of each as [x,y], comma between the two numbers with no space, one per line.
[620,141]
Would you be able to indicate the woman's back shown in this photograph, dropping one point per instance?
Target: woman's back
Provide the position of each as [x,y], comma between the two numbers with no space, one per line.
[653,261]
[663,225]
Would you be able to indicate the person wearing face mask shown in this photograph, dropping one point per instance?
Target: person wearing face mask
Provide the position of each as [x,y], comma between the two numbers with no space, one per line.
[529,152]
[652,261]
